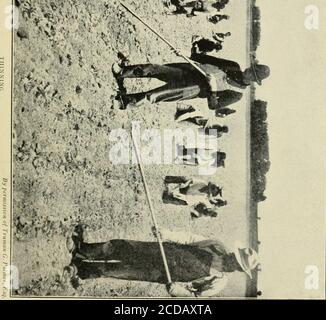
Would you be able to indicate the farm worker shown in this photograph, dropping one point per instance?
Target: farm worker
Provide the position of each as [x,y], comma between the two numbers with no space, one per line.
[199,267]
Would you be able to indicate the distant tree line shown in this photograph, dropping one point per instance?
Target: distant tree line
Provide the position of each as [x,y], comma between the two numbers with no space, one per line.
[255,28]
[260,163]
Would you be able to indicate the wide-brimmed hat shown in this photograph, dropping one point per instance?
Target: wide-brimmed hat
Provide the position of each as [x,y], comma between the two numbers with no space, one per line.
[246,257]
[261,72]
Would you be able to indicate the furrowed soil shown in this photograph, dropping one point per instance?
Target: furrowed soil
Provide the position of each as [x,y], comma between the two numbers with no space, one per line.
[64,112]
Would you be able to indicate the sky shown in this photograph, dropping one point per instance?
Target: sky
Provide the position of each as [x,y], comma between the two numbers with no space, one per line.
[292,227]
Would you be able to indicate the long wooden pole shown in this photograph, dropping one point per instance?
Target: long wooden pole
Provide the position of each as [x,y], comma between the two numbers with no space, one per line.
[158,235]
[165,40]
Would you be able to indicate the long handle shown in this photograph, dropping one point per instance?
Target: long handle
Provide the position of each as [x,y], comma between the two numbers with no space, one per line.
[158,235]
[162,38]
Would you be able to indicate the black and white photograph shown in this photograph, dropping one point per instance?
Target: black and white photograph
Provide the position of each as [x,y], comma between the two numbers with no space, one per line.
[163,149]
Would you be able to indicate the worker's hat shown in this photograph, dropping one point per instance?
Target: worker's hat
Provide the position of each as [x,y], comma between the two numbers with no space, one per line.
[261,72]
[247,258]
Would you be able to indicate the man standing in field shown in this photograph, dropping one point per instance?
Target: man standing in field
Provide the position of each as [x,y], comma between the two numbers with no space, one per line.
[222,86]
[198,267]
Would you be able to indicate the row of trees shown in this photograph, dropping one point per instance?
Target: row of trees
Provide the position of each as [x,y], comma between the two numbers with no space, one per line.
[260,163]
[255,27]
